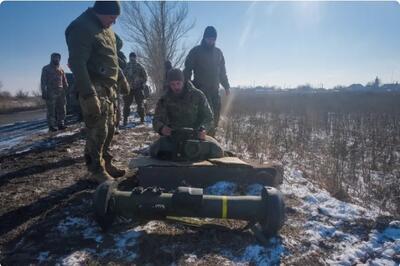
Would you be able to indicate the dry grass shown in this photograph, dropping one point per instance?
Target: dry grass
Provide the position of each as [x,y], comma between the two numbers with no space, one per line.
[15,104]
[347,142]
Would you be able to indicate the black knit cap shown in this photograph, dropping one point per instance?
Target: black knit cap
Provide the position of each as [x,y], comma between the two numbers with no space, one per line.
[210,32]
[107,8]
[175,74]
[132,54]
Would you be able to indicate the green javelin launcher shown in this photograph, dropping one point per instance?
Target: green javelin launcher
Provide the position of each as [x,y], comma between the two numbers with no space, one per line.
[268,209]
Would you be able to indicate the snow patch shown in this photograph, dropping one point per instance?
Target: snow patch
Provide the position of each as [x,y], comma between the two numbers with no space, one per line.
[42,257]
[221,188]
[76,258]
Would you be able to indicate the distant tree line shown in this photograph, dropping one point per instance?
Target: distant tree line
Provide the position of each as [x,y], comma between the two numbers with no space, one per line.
[374,86]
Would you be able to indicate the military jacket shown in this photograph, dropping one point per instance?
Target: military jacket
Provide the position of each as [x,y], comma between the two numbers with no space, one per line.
[208,67]
[53,77]
[189,109]
[135,74]
[92,53]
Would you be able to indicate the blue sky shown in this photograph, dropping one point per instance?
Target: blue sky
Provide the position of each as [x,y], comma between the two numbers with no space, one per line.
[264,43]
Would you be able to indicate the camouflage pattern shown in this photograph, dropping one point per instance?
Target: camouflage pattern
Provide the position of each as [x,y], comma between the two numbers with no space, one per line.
[166,148]
[208,67]
[92,53]
[123,85]
[190,109]
[137,77]
[94,62]
[54,86]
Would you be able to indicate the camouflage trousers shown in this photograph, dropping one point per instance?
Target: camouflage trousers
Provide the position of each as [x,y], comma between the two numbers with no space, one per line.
[56,107]
[139,99]
[99,129]
[117,105]
[214,101]
[165,148]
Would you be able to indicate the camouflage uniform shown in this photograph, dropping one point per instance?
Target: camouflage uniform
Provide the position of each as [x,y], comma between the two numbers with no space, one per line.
[123,86]
[54,86]
[94,63]
[190,109]
[137,77]
[208,66]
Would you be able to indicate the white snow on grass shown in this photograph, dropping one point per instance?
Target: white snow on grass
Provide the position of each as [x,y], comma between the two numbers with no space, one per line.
[121,245]
[8,144]
[327,219]
[77,258]
[42,257]
[381,247]
[67,133]
[221,188]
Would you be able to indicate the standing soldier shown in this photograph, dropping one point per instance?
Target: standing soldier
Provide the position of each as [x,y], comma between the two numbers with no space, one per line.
[54,86]
[137,78]
[167,68]
[208,65]
[94,63]
[123,89]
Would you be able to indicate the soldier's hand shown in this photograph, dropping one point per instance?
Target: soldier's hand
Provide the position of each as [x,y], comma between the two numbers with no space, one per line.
[166,131]
[202,135]
[92,105]
[227,92]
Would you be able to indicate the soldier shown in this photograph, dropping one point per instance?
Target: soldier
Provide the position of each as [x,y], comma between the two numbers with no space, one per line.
[182,106]
[54,86]
[137,78]
[122,90]
[94,62]
[168,67]
[208,65]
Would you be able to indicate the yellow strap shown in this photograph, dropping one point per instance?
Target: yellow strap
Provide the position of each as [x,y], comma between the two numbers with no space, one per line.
[224,207]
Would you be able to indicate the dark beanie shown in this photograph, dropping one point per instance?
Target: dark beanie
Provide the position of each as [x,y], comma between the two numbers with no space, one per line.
[210,32]
[132,54]
[55,54]
[175,74]
[107,8]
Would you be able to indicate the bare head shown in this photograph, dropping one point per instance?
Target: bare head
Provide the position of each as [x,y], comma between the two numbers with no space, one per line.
[107,12]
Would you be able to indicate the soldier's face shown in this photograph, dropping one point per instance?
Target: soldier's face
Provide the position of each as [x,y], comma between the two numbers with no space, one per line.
[55,60]
[107,20]
[176,86]
[132,59]
[210,41]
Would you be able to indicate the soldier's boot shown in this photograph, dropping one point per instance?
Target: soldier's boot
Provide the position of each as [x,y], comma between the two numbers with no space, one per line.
[114,171]
[62,126]
[52,129]
[111,168]
[100,176]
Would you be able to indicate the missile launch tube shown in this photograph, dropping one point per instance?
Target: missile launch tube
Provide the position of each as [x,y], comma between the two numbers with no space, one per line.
[266,209]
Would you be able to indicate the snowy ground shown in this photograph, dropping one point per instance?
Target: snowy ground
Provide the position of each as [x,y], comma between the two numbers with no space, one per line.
[338,233]
[319,230]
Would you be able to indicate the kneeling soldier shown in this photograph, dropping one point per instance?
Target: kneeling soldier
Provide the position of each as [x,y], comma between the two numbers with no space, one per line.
[182,118]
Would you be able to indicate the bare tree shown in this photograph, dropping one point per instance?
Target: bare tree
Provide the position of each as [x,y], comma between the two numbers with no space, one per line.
[157,30]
